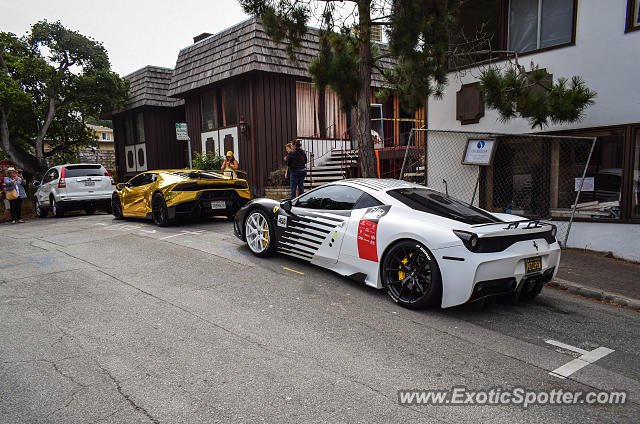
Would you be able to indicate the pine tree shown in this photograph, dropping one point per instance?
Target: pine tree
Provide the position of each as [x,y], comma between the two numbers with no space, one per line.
[422,40]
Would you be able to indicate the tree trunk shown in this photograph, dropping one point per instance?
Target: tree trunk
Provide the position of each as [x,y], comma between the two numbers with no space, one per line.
[42,162]
[21,158]
[368,165]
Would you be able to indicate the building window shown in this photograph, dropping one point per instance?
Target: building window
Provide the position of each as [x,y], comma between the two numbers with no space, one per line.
[633,15]
[106,136]
[130,137]
[229,106]
[209,111]
[140,127]
[318,117]
[538,24]
[307,110]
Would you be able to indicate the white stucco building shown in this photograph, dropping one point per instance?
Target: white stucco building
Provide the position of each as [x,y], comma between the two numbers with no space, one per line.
[598,40]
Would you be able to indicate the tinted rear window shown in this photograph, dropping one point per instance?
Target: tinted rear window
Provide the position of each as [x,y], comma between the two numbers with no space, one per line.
[84,171]
[440,204]
[201,175]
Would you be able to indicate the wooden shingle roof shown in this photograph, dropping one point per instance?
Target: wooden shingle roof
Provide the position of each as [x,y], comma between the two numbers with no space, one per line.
[240,49]
[149,87]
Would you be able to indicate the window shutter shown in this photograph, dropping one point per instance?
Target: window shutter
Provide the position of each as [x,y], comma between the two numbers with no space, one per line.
[469,104]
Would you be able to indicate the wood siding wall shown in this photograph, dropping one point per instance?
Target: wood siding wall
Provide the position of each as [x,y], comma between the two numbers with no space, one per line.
[163,150]
[267,103]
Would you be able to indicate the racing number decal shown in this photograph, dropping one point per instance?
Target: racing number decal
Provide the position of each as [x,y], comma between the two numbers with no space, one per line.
[282,221]
[368,232]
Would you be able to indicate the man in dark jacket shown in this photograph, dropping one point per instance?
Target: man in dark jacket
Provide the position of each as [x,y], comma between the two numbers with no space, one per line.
[297,162]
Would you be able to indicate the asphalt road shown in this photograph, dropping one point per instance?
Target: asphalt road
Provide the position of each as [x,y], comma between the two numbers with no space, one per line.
[120,321]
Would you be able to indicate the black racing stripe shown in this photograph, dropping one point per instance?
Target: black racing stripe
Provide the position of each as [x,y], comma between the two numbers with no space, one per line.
[302,219]
[302,231]
[293,236]
[293,241]
[330,218]
[303,226]
[291,252]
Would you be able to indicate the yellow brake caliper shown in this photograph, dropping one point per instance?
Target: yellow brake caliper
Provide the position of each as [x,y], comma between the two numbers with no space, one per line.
[265,235]
[401,273]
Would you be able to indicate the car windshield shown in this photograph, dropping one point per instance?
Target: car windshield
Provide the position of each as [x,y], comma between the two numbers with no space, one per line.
[440,204]
[84,171]
[195,175]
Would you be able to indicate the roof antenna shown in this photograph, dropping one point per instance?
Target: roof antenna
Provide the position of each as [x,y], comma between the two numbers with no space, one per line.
[446,187]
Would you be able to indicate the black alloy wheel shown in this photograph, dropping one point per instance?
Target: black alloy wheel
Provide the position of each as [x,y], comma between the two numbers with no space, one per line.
[411,275]
[116,206]
[159,210]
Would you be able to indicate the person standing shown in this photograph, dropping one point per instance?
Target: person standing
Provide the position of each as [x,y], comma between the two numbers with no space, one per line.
[297,162]
[15,181]
[230,163]
[3,196]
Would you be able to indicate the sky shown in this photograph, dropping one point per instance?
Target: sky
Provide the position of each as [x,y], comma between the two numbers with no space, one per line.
[135,33]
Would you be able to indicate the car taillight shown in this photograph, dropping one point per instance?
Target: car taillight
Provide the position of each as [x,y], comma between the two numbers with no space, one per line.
[110,177]
[470,240]
[61,182]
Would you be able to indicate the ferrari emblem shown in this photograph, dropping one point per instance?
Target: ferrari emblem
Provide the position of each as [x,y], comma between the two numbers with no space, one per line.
[275,209]
[535,245]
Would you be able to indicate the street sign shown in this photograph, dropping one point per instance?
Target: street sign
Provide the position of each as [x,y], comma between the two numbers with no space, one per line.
[181,131]
[479,151]
[183,134]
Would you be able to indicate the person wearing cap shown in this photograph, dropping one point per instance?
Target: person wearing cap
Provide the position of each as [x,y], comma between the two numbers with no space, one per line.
[15,181]
[230,163]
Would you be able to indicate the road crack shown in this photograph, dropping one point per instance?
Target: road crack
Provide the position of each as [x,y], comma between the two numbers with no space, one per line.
[128,398]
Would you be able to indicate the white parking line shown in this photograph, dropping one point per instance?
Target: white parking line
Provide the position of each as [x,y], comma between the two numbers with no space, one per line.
[588,357]
[566,346]
[183,233]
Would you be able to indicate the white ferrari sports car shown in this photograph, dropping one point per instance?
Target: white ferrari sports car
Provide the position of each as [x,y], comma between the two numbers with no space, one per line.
[423,246]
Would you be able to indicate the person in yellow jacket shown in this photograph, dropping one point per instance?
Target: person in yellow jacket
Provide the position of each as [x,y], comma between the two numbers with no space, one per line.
[230,163]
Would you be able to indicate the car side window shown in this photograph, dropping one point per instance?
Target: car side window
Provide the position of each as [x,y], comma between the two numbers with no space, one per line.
[52,174]
[138,180]
[333,197]
[366,201]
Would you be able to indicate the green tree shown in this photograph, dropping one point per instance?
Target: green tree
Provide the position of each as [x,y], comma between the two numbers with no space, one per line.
[51,80]
[423,38]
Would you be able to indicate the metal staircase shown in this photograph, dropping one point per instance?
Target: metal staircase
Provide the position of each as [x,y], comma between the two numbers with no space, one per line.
[332,167]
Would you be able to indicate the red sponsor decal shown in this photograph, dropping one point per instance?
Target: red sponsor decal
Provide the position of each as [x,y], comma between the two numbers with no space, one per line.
[367,245]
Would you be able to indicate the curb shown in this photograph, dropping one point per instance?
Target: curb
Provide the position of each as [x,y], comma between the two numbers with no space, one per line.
[591,293]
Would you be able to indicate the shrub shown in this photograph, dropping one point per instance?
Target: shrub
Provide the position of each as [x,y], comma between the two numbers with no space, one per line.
[209,161]
[276,178]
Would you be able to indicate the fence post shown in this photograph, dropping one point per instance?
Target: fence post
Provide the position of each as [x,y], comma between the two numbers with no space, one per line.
[575,203]
[406,151]
[426,156]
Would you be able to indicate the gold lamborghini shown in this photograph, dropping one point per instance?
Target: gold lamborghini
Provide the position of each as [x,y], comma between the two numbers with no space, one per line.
[164,195]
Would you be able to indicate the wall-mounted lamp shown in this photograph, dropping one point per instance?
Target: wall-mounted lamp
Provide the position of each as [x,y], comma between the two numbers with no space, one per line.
[243,126]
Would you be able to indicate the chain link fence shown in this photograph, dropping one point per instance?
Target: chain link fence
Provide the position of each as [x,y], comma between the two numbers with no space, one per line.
[535,176]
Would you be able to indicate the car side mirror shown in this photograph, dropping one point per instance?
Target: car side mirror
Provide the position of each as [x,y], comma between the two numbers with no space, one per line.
[36,183]
[120,186]
[286,205]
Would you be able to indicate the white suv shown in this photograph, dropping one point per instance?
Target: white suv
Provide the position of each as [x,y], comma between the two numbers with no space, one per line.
[73,187]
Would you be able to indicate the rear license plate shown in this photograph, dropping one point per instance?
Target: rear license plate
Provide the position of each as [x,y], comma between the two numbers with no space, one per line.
[218,204]
[532,265]
[89,183]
